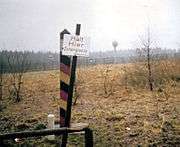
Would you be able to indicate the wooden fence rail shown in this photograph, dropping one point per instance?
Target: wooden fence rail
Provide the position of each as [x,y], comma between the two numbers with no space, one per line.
[59,131]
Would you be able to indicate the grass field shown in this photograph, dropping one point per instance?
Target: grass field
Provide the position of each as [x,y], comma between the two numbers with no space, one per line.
[124,116]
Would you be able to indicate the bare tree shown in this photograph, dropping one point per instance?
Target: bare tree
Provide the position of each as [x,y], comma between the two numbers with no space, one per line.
[18,64]
[146,51]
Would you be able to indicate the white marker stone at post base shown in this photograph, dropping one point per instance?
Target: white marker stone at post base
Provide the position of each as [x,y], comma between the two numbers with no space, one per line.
[50,125]
[74,45]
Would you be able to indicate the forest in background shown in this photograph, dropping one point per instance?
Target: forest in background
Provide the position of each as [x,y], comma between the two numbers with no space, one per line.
[41,61]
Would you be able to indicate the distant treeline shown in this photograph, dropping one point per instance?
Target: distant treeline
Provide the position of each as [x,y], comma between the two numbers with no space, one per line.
[37,61]
[126,56]
[34,60]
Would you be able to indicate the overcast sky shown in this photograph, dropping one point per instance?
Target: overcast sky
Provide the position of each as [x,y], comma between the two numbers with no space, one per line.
[35,24]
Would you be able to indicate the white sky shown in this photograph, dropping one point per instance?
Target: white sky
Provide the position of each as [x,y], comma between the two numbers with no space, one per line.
[35,24]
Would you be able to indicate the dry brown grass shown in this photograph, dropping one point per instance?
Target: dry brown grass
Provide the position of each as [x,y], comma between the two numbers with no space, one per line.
[132,116]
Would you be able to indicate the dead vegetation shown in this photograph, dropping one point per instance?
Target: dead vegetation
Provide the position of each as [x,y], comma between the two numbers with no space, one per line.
[113,99]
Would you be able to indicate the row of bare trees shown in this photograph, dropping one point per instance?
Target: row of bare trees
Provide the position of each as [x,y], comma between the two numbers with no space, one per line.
[39,60]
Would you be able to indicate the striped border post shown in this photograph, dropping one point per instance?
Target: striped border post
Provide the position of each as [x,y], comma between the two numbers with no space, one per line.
[65,63]
[67,74]
[64,87]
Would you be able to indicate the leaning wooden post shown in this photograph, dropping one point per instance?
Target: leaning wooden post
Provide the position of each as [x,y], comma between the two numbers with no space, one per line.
[70,93]
[72,80]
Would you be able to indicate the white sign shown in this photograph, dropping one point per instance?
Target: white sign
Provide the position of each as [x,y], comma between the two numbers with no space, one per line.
[75,45]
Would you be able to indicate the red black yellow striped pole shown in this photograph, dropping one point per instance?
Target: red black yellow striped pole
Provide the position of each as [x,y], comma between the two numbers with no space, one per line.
[65,62]
[67,97]
[65,73]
